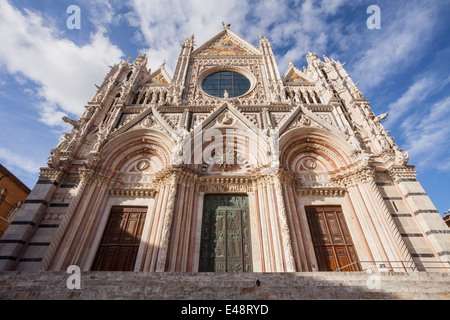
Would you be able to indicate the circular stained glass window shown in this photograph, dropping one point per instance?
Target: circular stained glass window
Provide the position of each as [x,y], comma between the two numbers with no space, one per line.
[226,84]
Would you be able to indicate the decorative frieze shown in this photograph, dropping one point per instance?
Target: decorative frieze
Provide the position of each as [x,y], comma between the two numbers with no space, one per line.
[321,192]
[51,174]
[226,185]
[133,193]
[403,173]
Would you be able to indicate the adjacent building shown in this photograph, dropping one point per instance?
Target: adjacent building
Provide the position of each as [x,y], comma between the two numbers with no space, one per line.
[13,193]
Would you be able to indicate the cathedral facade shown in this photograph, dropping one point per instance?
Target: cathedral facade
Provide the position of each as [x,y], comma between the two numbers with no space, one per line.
[227,166]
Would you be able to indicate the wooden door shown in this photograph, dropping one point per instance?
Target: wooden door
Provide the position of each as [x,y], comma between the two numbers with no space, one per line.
[225,242]
[121,239]
[331,238]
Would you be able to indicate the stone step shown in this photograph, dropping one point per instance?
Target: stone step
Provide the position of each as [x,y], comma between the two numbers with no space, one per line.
[224,286]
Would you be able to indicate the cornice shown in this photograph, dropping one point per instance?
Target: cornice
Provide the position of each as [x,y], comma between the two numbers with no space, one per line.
[321,192]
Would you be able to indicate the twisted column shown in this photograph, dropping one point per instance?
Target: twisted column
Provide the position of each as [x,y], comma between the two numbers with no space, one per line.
[285,234]
[168,217]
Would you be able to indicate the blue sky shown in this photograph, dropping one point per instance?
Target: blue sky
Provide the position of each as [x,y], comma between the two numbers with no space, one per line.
[48,70]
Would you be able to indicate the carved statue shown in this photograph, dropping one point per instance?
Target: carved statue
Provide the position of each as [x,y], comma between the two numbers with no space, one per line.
[381,117]
[353,140]
[99,95]
[384,142]
[274,147]
[54,159]
[227,120]
[227,26]
[101,136]
[87,114]
[62,145]
[181,136]
[74,123]
[401,158]
[304,120]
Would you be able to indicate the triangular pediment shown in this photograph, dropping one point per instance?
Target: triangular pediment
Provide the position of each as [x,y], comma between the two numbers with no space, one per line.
[293,76]
[226,116]
[303,117]
[158,77]
[148,119]
[226,43]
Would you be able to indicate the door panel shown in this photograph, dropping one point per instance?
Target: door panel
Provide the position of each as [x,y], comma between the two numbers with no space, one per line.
[225,239]
[121,239]
[332,242]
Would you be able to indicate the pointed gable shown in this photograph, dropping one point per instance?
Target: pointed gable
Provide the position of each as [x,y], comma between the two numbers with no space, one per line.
[159,77]
[226,115]
[226,43]
[295,76]
[225,46]
[150,118]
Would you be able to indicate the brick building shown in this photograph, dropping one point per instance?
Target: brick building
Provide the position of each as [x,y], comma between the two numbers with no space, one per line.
[12,195]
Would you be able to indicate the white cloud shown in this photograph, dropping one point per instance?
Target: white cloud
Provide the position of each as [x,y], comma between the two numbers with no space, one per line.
[64,72]
[427,137]
[12,159]
[416,94]
[165,24]
[405,30]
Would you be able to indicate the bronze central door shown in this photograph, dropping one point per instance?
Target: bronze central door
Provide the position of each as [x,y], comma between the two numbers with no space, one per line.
[225,239]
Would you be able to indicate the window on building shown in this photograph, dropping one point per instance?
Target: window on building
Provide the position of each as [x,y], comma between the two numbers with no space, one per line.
[235,84]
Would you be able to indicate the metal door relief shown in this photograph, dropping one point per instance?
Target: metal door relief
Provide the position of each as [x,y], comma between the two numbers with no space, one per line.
[225,238]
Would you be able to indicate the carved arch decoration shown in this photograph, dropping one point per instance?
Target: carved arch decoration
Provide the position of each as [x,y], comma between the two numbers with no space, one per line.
[324,151]
[239,164]
[249,150]
[144,150]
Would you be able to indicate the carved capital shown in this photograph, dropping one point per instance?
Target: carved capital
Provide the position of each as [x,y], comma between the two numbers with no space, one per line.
[85,174]
[403,173]
[362,175]
[52,174]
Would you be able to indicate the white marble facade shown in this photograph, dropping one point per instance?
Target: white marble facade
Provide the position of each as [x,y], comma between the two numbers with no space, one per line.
[307,137]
